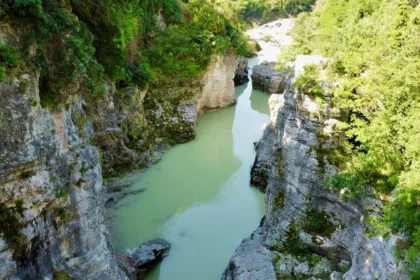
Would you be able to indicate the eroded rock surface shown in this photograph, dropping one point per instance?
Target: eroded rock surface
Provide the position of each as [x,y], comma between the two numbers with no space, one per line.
[218,88]
[135,127]
[49,169]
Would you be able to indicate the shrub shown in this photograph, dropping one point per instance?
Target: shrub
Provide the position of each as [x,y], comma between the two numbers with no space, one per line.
[308,83]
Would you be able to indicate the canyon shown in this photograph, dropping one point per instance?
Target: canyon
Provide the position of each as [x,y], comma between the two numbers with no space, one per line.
[201,166]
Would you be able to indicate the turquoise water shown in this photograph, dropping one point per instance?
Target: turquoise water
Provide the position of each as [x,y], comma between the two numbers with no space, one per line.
[198,196]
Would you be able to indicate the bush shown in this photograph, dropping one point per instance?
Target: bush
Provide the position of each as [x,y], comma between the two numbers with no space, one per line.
[9,57]
[308,83]
[2,74]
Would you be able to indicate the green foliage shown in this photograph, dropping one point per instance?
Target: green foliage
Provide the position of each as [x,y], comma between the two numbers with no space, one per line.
[61,193]
[309,84]
[351,185]
[11,228]
[318,223]
[279,161]
[376,57]
[184,50]
[293,245]
[9,58]
[65,51]
[89,42]
[243,12]
[61,275]
[2,74]
[279,202]
[171,11]
[140,73]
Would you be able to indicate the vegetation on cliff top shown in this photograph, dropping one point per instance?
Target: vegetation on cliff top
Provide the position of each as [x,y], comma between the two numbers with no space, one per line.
[375,57]
[119,41]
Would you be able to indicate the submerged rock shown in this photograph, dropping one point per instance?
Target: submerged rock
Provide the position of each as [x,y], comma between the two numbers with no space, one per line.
[113,197]
[135,262]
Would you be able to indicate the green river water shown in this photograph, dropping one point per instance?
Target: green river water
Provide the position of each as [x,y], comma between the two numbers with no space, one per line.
[198,197]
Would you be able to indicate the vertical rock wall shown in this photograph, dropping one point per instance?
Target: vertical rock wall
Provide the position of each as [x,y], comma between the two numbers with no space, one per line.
[49,170]
[218,89]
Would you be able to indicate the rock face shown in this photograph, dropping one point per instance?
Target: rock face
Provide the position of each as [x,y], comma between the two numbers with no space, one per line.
[134,262]
[218,89]
[266,79]
[241,72]
[49,168]
[307,232]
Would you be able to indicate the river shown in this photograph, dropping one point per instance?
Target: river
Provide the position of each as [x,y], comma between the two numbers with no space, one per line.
[198,197]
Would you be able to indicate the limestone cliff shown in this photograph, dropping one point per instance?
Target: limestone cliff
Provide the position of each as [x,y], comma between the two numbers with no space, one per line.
[217,87]
[51,192]
[307,232]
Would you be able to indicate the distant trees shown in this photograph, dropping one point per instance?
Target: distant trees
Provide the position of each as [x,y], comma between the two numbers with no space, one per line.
[263,10]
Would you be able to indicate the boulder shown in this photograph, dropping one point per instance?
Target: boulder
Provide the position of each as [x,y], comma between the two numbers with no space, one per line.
[241,73]
[266,78]
[135,262]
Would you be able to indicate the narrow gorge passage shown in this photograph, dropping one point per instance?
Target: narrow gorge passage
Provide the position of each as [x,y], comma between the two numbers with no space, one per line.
[198,196]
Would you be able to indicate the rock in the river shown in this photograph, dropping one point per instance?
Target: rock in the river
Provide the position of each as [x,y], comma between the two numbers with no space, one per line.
[241,73]
[114,196]
[265,78]
[134,262]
